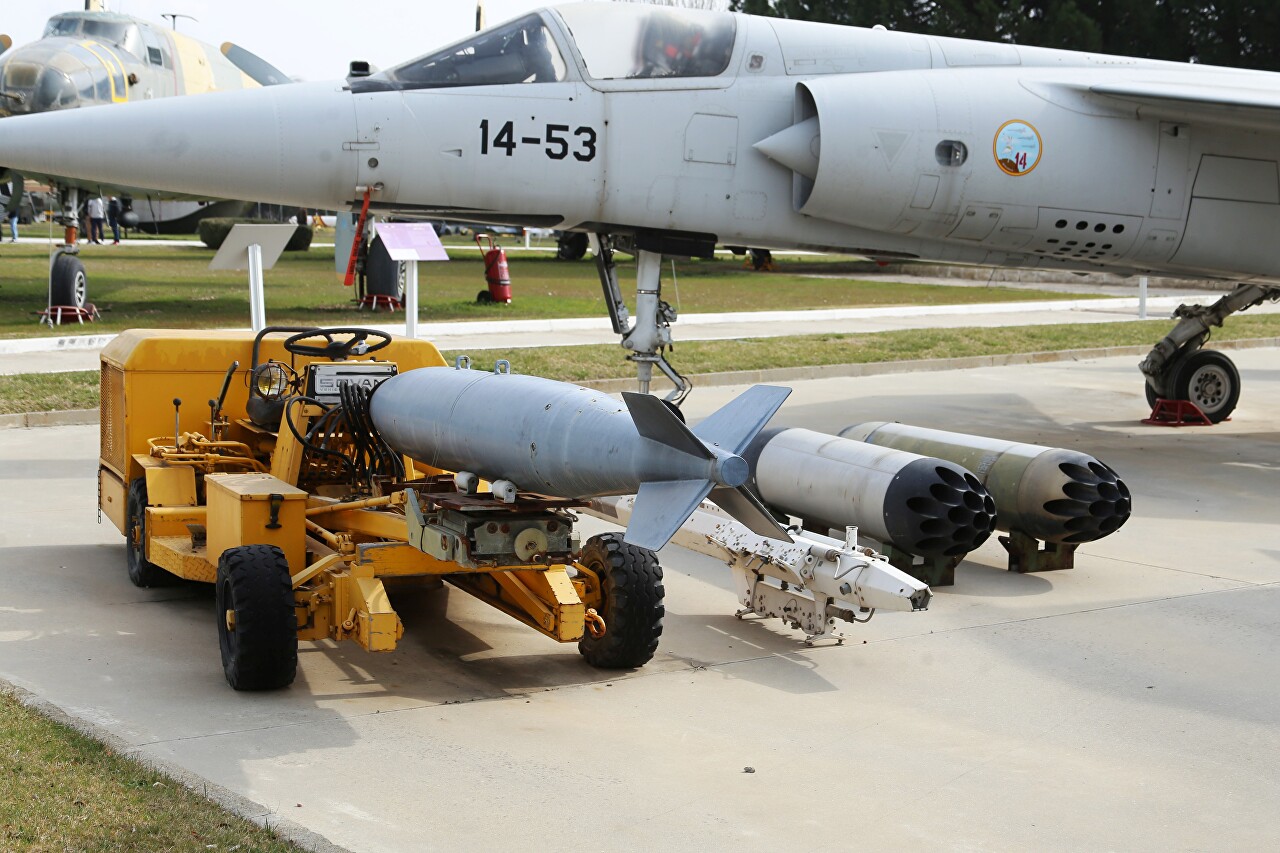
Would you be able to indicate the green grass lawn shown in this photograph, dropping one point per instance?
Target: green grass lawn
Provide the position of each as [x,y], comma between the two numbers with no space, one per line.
[62,791]
[41,392]
[147,286]
[605,361]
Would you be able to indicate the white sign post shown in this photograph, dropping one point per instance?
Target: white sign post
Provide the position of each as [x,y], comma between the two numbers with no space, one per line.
[255,248]
[411,242]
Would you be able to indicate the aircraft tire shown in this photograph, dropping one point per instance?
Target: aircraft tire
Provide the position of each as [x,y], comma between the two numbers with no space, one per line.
[1211,381]
[383,276]
[68,283]
[630,602]
[255,595]
[1152,396]
[142,572]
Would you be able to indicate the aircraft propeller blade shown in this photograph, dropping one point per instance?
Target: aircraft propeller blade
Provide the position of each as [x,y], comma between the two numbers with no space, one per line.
[258,69]
[5,42]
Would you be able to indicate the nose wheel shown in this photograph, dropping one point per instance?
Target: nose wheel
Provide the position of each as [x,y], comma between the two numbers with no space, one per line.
[1206,378]
[1211,381]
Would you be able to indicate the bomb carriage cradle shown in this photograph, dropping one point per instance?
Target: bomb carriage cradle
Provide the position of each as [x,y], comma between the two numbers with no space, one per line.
[282,492]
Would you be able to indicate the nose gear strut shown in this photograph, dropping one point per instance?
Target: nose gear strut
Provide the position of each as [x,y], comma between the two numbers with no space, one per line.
[650,335]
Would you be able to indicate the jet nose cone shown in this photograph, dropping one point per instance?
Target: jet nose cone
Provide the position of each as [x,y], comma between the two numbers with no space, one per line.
[283,144]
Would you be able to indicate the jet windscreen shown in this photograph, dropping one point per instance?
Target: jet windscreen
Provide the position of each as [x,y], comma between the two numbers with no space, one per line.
[520,52]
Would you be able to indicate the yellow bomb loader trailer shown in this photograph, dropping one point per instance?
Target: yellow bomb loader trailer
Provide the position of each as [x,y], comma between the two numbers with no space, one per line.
[298,468]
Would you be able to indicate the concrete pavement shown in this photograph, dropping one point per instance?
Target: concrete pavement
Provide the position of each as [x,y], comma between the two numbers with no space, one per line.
[1131,703]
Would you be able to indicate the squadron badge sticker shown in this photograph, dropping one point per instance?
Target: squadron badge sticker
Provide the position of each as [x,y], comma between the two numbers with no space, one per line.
[1017,147]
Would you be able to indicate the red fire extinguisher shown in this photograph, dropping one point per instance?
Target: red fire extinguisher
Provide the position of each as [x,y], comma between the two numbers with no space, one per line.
[496,273]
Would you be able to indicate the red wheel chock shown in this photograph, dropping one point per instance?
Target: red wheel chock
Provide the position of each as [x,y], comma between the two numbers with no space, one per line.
[55,314]
[1176,413]
[375,300]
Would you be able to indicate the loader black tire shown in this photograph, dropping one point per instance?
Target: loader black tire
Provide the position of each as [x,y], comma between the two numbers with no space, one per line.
[142,572]
[260,647]
[631,597]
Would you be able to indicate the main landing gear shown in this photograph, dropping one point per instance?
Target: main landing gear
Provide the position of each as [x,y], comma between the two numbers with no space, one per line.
[1178,368]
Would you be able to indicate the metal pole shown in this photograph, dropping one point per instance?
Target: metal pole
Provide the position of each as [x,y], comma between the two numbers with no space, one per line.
[411,298]
[1142,297]
[257,295]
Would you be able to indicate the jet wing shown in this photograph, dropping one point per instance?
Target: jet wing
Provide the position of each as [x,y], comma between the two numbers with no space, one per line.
[1229,104]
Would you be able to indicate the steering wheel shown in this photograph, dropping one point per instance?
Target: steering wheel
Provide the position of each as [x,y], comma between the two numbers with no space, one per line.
[335,349]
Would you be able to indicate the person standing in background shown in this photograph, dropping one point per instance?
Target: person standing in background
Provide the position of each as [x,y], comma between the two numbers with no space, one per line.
[97,218]
[114,209]
[16,189]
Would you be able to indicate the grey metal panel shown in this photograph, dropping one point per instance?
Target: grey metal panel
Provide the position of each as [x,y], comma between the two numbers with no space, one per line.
[1156,246]
[977,222]
[711,139]
[1169,195]
[1084,235]
[810,48]
[961,53]
[1237,179]
[926,192]
[1231,236]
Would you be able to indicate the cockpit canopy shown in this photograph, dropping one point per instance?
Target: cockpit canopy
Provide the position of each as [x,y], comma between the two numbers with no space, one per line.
[626,42]
[616,42]
[102,26]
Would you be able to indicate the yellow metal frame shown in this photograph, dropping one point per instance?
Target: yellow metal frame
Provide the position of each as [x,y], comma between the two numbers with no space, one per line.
[347,548]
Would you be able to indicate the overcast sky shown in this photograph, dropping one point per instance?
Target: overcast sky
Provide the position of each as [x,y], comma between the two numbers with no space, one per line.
[310,40]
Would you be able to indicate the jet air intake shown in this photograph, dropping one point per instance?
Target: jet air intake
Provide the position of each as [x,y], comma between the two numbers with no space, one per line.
[855,147]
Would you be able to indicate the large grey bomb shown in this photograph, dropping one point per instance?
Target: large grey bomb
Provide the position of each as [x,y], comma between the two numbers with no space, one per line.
[1051,494]
[565,440]
[918,504]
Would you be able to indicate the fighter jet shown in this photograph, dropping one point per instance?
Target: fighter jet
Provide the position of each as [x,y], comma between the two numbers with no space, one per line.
[664,131]
[95,58]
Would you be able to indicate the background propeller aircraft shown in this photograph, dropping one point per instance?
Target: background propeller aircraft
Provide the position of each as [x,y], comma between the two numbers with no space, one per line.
[96,58]
[665,131]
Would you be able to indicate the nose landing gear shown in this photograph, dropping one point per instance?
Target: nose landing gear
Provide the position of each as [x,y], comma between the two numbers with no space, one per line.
[1178,369]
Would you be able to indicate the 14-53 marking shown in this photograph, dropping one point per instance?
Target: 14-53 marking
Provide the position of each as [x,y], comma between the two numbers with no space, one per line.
[560,143]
